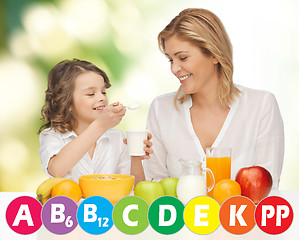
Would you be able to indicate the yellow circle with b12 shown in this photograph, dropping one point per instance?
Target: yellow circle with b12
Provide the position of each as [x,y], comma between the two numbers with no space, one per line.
[201,215]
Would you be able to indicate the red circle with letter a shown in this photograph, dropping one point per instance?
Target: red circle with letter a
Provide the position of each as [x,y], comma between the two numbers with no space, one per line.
[274,215]
[23,215]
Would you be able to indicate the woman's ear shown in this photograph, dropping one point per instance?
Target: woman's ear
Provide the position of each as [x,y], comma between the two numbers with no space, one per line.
[215,60]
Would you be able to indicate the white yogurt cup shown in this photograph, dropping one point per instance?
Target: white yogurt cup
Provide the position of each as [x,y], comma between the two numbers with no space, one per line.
[135,139]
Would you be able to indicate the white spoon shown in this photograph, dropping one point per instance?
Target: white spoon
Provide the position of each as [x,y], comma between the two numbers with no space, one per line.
[132,106]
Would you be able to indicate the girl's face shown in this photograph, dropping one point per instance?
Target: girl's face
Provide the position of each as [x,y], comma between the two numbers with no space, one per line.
[89,97]
[196,71]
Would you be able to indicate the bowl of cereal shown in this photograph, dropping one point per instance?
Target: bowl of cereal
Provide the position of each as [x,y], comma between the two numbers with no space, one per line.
[110,186]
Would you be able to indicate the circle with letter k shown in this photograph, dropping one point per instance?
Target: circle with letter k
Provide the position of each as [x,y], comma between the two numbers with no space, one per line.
[237,215]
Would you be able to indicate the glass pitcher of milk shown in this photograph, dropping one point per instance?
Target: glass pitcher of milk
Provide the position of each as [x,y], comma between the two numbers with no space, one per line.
[192,181]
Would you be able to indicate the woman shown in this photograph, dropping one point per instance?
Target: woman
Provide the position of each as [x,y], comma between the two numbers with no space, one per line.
[208,110]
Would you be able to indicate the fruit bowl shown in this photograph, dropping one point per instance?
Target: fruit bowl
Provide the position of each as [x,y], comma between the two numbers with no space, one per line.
[110,186]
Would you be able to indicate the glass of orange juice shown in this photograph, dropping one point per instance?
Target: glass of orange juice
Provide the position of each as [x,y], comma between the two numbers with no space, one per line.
[218,160]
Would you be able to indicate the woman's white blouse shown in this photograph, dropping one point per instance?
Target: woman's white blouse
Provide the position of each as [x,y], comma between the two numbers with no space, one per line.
[253,129]
[110,155]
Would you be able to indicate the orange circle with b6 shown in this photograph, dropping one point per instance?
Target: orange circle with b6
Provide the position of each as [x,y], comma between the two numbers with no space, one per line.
[201,215]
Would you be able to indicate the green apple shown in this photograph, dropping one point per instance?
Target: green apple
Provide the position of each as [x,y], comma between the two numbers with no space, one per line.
[149,191]
[169,185]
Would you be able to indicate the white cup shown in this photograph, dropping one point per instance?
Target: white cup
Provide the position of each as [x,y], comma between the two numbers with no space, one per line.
[135,139]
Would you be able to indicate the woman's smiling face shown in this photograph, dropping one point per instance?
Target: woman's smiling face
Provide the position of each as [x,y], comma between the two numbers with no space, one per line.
[195,70]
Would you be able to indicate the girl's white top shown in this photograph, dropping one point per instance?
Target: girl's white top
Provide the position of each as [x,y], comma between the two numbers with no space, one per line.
[253,129]
[110,155]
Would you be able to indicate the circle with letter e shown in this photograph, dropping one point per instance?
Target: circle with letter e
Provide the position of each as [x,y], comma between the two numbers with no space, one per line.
[95,215]
[201,215]
[274,215]
[23,215]
[59,215]
[166,215]
[130,215]
[237,215]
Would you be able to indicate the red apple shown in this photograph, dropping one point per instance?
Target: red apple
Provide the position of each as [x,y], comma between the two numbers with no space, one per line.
[256,182]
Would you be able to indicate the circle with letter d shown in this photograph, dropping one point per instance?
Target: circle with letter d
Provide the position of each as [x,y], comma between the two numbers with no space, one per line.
[95,215]
[166,215]
[130,215]
[201,215]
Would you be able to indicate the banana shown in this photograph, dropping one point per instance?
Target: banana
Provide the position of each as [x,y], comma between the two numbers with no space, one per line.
[43,200]
[44,189]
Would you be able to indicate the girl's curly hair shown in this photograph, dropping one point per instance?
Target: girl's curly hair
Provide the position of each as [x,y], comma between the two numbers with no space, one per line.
[59,94]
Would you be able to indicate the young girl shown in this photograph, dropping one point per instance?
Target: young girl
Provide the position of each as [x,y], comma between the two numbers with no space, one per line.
[77,138]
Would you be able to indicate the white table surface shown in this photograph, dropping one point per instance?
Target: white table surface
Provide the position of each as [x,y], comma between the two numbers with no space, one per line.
[255,234]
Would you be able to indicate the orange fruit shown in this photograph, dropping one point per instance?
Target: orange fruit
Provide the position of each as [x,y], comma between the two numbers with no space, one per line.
[225,189]
[67,188]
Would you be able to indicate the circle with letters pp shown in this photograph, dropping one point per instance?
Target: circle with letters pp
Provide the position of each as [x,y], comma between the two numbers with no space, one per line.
[59,215]
[166,215]
[23,215]
[274,215]
[130,215]
[95,215]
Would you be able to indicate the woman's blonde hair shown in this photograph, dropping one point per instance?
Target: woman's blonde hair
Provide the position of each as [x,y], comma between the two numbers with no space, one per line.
[204,29]
[59,95]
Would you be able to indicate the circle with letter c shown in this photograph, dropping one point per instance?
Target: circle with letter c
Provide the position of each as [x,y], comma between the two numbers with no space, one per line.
[130,215]
[201,215]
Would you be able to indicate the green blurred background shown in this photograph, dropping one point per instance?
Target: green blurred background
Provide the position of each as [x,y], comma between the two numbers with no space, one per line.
[120,36]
